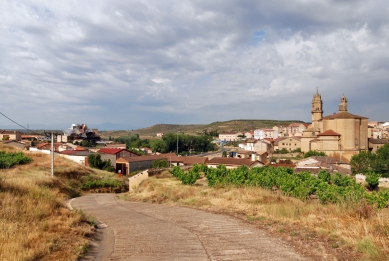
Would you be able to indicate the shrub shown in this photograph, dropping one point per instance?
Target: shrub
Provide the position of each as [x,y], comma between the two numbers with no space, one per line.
[96,162]
[314,153]
[160,163]
[372,180]
[10,159]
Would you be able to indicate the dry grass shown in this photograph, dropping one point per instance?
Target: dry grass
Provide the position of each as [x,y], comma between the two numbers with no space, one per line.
[34,222]
[357,232]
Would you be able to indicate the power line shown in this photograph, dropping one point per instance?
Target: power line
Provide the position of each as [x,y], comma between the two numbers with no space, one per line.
[23,126]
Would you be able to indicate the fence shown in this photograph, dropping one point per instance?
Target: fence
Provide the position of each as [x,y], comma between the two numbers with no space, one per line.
[134,181]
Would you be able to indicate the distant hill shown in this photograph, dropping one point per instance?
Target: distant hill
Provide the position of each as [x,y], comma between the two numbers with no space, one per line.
[220,126]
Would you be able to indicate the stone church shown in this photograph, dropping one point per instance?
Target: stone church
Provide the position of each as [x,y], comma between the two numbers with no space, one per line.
[340,135]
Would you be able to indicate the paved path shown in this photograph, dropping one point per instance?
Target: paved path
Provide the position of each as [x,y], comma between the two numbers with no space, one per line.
[143,231]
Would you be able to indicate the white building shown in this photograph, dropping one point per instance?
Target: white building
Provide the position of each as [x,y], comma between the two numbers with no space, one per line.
[260,134]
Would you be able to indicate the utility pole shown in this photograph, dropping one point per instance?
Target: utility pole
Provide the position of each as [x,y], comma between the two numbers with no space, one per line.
[177,143]
[52,154]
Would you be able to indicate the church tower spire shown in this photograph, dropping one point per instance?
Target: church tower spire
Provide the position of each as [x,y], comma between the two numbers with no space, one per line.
[317,108]
[343,104]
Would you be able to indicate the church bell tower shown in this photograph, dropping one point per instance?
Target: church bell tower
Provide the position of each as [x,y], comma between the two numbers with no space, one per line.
[343,104]
[317,109]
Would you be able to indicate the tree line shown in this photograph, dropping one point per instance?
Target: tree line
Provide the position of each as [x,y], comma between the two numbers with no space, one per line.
[185,144]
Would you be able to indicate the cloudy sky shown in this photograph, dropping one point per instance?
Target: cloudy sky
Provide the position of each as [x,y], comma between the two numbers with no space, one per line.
[139,63]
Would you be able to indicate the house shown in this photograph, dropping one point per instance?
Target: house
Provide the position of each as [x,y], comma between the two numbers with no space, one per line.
[249,134]
[316,163]
[78,156]
[375,144]
[253,155]
[146,150]
[244,154]
[114,154]
[289,143]
[126,165]
[10,135]
[160,134]
[31,137]
[295,129]
[260,134]
[230,136]
[232,163]
[281,130]
[184,160]
[257,145]
[47,146]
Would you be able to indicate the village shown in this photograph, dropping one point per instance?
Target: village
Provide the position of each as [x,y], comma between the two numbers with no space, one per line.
[338,136]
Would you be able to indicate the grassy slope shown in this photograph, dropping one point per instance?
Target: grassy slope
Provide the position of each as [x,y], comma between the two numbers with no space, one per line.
[357,232]
[34,222]
[233,125]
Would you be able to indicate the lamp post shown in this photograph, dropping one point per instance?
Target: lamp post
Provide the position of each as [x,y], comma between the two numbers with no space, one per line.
[177,143]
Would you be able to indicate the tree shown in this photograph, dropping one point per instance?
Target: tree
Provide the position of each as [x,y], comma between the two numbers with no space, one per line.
[158,145]
[224,154]
[96,162]
[311,153]
[380,162]
[361,162]
[160,163]
[85,143]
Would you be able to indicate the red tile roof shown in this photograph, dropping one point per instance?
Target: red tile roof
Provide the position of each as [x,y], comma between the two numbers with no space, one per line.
[110,151]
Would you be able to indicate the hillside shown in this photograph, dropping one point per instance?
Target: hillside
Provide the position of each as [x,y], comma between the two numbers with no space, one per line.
[220,126]
[35,223]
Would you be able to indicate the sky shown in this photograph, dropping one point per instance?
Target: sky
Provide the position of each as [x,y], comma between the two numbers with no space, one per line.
[139,63]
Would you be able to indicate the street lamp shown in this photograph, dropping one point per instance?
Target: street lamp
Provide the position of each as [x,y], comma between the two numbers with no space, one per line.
[177,143]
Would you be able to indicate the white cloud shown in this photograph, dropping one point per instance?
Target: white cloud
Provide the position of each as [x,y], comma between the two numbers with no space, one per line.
[186,58]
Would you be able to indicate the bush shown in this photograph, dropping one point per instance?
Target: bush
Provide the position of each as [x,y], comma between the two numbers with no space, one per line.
[96,162]
[372,180]
[311,153]
[10,159]
[160,163]
[187,178]
[94,183]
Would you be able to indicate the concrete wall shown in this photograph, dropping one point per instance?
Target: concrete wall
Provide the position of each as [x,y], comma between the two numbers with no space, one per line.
[78,159]
[134,181]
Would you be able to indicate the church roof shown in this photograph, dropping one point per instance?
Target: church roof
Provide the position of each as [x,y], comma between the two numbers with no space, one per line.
[311,129]
[343,115]
[329,133]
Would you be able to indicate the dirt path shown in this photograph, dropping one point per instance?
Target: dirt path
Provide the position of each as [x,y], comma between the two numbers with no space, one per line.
[142,231]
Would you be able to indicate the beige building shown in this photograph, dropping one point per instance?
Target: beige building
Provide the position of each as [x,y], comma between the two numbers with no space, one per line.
[295,129]
[10,135]
[230,136]
[289,143]
[340,135]
[282,130]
